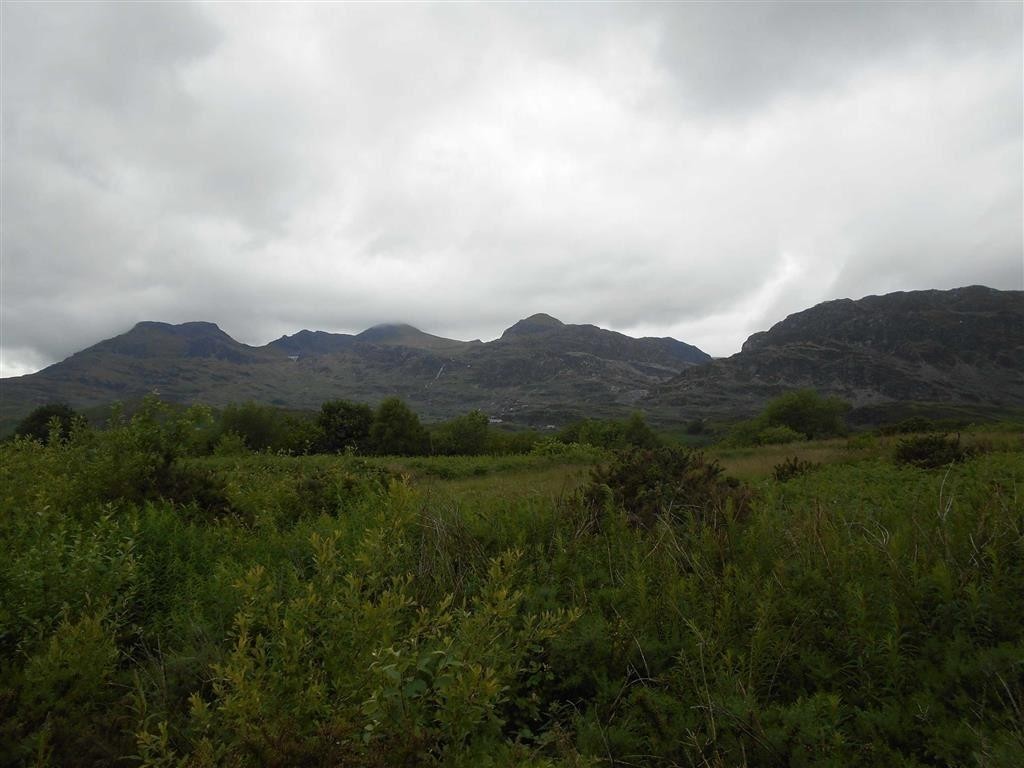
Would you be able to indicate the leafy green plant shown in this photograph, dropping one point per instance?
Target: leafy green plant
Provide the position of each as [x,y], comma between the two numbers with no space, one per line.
[397,430]
[472,611]
[792,467]
[665,481]
[930,451]
[37,425]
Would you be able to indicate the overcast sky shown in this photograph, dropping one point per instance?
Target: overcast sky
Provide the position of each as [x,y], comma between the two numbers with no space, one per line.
[691,170]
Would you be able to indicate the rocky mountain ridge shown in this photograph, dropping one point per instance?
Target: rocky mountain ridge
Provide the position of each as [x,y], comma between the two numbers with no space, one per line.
[540,368]
[962,348]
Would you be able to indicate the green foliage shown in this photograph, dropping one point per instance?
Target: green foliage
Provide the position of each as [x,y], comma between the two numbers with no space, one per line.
[550,446]
[230,444]
[370,612]
[931,451]
[806,412]
[792,467]
[673,482]
[502,443]
[262,427]
[778,435]
[397,430]
[610,434]
[638,434]
[799,415]
[464,436]
[908,426]
[38,425]
[345,425]
[696,427]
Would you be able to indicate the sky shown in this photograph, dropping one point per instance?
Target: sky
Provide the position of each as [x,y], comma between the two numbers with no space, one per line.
[690,170]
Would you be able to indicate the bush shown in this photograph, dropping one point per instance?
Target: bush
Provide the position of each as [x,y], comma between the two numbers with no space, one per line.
[807,412]
[931,451]
[647,483]
[792,467]
[697,427]
[345,425]
[908,426]
[462,436]
[550,446]
[798,415]
[779,435]
[260,426]
[503,443]
[37,424]
[397,431]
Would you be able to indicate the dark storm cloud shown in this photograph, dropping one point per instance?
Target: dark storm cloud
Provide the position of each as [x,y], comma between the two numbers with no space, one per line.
[699,170]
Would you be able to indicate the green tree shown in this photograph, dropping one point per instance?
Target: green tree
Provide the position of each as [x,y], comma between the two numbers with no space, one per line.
[345,425]
[37,424]
[261,426]
[462,436]
[807,412]
[397,430]
[637,433]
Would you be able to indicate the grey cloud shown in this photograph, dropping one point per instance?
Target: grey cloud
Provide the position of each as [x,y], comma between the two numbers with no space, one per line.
[738,57]
[693,169]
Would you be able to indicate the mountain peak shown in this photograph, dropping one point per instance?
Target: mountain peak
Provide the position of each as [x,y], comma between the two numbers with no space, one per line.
[405,335]
[150,339]
[390,333]
[306,342]
[190,329]
[537,323]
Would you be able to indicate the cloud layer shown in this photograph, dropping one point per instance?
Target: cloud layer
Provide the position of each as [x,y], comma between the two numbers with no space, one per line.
[689,170]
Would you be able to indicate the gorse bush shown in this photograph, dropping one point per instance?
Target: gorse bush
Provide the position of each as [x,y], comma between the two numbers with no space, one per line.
[792,467]
[931,451]
[677,483]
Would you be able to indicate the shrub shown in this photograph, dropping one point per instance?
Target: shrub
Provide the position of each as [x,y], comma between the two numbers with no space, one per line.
[647,483]
[807,412]
[778,435]
[501,443]
[462,436]
[550,446]
[262,427]
[931,451]
[397,431]
[908,426]
[696,427]
[230,444]
[37,424]
[345,425]
[792,467]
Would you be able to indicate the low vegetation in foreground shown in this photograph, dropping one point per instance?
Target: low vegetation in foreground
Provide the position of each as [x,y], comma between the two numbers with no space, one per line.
[850,602]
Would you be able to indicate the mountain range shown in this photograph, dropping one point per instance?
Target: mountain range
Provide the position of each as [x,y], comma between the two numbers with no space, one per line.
[956,350]
[961,348]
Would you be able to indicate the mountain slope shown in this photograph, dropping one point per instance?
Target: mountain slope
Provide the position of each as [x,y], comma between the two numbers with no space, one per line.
[963,348]
[561,372]
[959,347]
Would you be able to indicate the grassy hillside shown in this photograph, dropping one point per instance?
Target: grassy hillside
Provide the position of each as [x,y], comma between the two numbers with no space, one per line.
[161,609]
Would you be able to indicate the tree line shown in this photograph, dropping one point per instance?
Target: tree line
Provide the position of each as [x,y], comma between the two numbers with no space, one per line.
[343,426]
